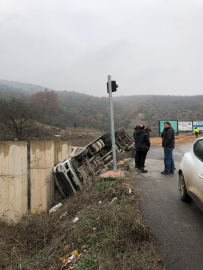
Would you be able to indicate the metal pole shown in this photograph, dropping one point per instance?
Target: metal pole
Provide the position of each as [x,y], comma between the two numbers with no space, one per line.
[112,125]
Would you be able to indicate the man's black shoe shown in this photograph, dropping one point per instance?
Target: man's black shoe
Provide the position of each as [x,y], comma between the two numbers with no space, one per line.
[171,172]
[143,171]
[165,173]
[135,166]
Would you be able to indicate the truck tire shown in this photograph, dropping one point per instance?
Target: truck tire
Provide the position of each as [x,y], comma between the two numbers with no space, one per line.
[81,154]
[105,135]
[107,140]
[119,130]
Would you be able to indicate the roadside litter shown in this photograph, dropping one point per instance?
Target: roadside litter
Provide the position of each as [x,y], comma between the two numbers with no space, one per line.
[113,200]
[74,254]
[63,215]
[55,208]
[69,258]
[76,219]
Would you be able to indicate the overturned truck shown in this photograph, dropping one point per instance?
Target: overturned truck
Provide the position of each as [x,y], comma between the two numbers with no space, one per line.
[86,163]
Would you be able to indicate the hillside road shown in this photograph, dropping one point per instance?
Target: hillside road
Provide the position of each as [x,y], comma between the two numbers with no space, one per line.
[177,226]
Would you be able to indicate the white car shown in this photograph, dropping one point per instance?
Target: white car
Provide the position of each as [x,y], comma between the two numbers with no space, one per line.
[191,174]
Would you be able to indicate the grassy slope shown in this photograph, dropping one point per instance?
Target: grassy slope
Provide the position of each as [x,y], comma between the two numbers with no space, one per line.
[108,235]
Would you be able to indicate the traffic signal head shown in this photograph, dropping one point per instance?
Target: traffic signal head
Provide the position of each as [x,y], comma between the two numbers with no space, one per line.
[113,86]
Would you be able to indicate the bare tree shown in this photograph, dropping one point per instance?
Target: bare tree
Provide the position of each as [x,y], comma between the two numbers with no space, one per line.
[17,117]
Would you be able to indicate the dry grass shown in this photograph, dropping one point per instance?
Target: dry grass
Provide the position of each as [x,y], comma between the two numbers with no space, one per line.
[157,141]
[108,235]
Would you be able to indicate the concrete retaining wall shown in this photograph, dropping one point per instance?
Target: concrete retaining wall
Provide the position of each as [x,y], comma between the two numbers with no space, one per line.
[62,150]
[14,176]
[41,175]
[13,180]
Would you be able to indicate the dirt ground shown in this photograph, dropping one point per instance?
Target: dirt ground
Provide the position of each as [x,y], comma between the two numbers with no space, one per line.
[82,137]
[157,141]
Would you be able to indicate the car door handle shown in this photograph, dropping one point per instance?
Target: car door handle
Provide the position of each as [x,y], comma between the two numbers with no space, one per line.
[201,176]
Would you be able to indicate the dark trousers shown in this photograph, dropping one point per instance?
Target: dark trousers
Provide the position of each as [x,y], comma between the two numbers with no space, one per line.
[136,158]
[168,158]
[141,156]
[165,165]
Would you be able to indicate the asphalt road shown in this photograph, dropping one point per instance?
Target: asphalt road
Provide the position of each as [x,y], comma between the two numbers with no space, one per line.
[177,226]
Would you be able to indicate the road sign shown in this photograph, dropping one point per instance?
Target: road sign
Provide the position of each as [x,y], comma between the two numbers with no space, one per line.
[198,124]
[172,122]
[185,126]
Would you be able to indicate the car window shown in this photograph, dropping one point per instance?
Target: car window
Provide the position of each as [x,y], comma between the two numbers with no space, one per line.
[198,149]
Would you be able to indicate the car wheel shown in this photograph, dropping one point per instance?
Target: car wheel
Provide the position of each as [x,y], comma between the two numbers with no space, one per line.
[183,189]
[81,154]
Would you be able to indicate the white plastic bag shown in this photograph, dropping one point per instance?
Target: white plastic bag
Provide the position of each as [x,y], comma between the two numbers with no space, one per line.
[55,208]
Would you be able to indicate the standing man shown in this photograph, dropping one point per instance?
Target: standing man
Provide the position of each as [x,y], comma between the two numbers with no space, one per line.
[196,131]
[142,145]
[134,135]
[148,129]
[168,142]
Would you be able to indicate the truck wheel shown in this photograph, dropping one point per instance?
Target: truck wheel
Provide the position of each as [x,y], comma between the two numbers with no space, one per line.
[81,154]
[105,135]
[107,140]
[119,130]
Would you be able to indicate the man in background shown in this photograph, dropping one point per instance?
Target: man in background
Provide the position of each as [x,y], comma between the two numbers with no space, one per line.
[196,131]
[168,142]
[142,145]
[134,135]
[148,129]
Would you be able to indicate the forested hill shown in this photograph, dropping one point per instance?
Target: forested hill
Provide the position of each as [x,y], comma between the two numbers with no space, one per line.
[27,87]
[88,111]
[166,107]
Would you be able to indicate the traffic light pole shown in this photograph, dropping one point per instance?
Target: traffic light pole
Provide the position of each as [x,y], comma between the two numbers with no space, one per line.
[112,125]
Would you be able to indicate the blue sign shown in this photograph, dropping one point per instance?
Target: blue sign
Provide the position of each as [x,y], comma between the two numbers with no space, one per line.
[174,125]
[198,124]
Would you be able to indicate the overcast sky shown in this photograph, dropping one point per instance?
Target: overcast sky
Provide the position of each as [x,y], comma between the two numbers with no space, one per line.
[147,46]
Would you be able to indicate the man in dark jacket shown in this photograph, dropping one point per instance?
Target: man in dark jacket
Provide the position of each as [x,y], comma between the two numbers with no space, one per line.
[134,136]
[168,142]
[142,145]
[148,129]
